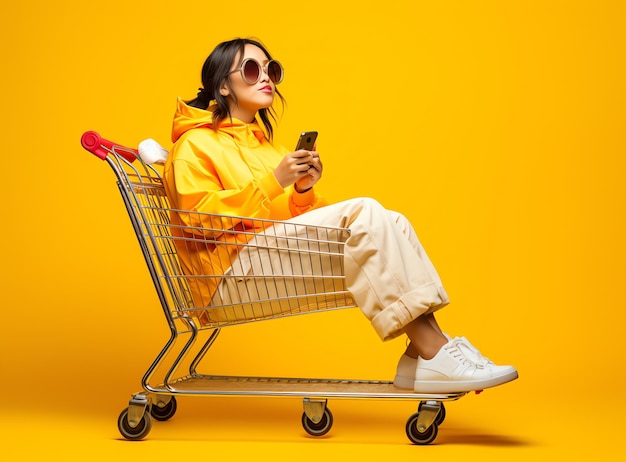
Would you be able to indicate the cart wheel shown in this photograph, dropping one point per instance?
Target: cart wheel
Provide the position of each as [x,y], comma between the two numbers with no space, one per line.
[440,417]
[134,433]
[164,413]
[320,428]
[417,437]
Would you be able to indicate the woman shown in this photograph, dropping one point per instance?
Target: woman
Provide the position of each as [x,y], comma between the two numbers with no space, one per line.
[223,162]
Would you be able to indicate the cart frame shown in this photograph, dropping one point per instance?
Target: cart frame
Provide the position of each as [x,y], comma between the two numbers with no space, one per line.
[143,194]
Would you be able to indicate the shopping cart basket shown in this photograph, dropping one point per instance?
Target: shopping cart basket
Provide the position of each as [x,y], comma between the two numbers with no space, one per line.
[301,282]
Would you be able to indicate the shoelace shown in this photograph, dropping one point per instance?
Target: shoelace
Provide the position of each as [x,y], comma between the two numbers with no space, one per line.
[480,359]
[457,353]
[463,351]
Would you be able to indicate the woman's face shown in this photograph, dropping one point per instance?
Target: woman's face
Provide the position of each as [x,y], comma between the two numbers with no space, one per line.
[250,97]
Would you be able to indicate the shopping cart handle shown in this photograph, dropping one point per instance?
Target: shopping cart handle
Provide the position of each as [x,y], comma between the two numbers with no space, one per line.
[98,146]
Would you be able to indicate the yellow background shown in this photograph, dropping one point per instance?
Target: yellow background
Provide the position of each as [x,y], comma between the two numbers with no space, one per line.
[497,127]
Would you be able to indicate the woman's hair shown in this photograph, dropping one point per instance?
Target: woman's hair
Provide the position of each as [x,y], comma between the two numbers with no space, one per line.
[216,72]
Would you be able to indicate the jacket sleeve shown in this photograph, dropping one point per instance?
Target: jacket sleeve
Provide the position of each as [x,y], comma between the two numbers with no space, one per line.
[302,203]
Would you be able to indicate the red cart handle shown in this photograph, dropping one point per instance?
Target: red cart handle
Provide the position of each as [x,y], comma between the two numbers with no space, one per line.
[95,144]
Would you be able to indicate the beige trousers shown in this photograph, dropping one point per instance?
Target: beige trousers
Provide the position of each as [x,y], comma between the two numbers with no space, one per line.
[382,267]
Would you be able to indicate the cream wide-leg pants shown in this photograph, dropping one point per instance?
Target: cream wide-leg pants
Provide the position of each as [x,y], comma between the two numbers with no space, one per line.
[387,271]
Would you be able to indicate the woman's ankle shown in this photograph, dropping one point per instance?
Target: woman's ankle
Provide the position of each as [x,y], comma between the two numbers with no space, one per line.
[428,349]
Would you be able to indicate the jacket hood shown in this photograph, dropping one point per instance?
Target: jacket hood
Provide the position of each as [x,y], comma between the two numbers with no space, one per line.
[188,117]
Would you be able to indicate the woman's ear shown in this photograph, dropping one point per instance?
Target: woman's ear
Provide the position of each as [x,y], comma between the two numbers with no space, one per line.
[224,91]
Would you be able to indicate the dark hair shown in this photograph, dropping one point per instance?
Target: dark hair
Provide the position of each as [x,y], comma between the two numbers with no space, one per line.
[216,71]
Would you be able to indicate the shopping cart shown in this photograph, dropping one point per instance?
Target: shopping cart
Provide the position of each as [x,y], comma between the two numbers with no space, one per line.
[242,295]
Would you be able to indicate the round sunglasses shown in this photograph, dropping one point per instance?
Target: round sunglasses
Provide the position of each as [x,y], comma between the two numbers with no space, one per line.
[251,71]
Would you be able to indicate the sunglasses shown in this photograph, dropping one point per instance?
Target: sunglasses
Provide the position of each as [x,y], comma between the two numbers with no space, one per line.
[251,71]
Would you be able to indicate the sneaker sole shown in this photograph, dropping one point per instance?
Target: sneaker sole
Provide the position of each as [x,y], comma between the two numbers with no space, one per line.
[443,386]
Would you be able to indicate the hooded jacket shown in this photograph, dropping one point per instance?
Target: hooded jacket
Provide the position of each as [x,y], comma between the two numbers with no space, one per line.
[226,171]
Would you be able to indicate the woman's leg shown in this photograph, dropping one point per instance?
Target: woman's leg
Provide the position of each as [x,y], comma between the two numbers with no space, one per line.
[426,338]
[424,333]
[387,270]
[433,361]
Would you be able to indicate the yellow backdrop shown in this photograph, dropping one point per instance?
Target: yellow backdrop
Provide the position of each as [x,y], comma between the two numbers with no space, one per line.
[496,127]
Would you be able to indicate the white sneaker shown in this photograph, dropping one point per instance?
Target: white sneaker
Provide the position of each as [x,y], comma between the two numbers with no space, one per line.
[405,371]
[453,369]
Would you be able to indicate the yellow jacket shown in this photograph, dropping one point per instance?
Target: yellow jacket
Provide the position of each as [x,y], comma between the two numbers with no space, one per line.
[228,171]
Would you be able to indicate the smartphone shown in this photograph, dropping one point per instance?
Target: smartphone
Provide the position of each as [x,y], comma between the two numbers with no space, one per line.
[307,140]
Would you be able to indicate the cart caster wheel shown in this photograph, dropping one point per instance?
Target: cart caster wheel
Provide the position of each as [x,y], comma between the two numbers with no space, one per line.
[164,413]
[134,433]
[320,428]
[417,437]
[440,417]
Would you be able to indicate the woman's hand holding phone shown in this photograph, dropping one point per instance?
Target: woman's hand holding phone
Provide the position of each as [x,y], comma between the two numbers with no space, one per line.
[303,167]
[312,176]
